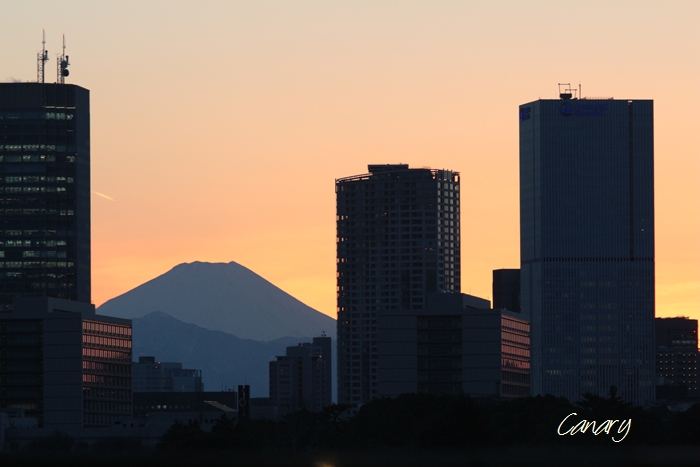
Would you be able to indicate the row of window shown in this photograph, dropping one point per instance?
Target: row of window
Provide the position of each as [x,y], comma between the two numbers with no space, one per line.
[33,147]
[33,158]
[121,356]
[13,115]
[30,243]
[35,232]
[103,328]
[124,343]
[37,212]
[35,265]
[376,188]
[36,179]
[33,189]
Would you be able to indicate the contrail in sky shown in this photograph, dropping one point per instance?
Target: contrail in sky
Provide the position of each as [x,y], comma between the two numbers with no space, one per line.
[104,196]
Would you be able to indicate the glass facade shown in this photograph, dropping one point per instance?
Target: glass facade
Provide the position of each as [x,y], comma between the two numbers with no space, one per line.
[106,372]
[398,236]
[515,357]
[44,192]
[587,246]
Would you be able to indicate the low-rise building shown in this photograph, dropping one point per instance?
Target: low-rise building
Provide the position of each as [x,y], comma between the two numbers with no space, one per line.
[148,375]
[458,344]
[302,378]
[677,359]
[63,364]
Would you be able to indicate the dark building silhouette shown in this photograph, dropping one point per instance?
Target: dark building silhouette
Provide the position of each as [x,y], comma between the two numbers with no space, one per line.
[44,192]
[456,345]
[146,403]
[302,378]
[587,245]
[506,289]
[677,359]
[148,375]
[397,239]
[244,402]
[66,366]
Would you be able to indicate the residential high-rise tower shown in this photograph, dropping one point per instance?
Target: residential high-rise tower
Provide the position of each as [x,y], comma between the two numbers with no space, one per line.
[397,239]
[587,245]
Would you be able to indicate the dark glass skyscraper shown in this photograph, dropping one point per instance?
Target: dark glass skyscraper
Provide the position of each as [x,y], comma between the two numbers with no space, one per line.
[398,239]
[44,192]
[587,245]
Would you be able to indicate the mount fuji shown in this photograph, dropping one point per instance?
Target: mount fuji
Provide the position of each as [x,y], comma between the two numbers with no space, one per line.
[223,297]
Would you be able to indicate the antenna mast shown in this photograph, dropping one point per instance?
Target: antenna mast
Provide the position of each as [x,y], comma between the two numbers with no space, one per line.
[568,93]
[41,58]
[62,68]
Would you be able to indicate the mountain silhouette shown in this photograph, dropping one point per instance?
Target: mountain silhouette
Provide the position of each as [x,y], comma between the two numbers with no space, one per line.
[223,297]
[225,360]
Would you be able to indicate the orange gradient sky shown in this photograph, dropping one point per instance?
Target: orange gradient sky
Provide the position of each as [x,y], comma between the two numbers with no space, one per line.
[219,127]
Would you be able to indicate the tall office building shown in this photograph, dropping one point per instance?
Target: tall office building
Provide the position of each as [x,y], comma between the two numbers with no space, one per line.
[397,240]
[587,245]
[44,192]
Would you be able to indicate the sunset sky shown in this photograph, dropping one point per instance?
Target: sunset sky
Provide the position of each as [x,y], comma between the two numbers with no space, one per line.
[219,127]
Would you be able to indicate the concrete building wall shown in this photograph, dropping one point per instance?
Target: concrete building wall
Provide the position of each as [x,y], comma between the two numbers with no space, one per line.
[453,347]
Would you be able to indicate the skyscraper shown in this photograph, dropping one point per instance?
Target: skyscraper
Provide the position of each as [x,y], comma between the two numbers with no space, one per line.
[587,245]
[397,240]
[44,192]
[66,366]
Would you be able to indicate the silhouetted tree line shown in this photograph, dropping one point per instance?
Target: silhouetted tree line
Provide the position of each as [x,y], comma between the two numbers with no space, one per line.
[425,421]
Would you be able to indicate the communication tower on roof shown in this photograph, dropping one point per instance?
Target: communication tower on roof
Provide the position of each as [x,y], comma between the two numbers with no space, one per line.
[41,59]
[62,65]
[568,93]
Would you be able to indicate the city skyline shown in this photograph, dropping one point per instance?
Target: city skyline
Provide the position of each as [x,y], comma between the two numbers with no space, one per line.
[217,133]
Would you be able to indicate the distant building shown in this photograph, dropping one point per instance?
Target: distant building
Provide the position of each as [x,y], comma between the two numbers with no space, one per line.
[146,403]
[150,376]
[302,378]
[65,365]
[587,245]
[45,192]
[677,359]
[506,289]
[398,237]
[457,344]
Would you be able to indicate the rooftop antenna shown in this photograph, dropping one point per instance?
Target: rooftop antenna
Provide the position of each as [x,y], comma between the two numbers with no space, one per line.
[41,58]
[568,91]
[62,68]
